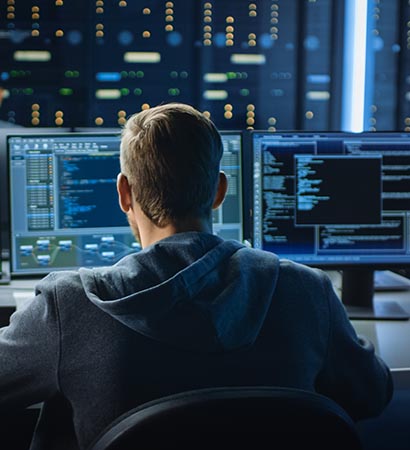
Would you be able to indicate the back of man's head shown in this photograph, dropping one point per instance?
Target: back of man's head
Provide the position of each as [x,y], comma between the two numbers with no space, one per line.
[170,155]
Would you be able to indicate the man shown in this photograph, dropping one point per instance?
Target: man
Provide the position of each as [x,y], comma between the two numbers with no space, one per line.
[190,310]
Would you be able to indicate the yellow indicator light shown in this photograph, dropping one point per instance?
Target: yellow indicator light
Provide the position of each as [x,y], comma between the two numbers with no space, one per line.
[59,121]
[145,106]
[99,121]
[146,11]
[309,115]
[169,27]
[228,115]
[59,33]
[146,34]
[35,121]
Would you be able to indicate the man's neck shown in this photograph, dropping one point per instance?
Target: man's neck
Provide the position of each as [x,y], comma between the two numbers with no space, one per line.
[150,233]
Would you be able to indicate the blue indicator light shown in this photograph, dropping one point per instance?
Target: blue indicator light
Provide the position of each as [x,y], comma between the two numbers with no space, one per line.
[108,76]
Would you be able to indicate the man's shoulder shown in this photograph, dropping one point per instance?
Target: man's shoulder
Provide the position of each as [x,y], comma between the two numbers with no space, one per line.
[62,283]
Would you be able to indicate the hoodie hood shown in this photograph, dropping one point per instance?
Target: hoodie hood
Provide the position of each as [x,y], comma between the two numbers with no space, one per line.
[191,290]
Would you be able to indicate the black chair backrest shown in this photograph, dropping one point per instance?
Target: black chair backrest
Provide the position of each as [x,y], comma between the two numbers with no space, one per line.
[234,418]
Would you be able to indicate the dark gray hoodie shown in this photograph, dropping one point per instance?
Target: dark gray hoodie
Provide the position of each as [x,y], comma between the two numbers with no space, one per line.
[189,311]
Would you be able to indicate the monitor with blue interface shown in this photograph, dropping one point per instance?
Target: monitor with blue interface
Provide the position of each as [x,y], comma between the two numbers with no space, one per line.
[64,207]
[335,201]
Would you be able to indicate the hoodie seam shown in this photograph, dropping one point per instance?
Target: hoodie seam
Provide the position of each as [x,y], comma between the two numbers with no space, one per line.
[59,332]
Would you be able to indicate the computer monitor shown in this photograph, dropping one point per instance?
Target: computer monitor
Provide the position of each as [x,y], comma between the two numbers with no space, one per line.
[64,207]
[6,130]
[335,201]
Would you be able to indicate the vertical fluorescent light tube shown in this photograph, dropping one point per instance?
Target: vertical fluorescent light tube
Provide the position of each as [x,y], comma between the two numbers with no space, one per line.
[357,67]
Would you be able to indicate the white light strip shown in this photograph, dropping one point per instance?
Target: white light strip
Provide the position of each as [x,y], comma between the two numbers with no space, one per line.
[318,95]
[32,55]
[108,94]
[355,65]
[248,58]
[142,57]
[215,77]
[215,94]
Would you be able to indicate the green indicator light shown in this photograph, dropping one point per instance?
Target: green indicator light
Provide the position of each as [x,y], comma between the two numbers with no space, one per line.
[28,91]
[173,74]
[124,74]
[231,75]
[244,92]
[125,91]
[173,91]
[76,73]
[137,91]
[13,73]
[140,74]
[68,74]
[132,74]
[66,91]
[183,74]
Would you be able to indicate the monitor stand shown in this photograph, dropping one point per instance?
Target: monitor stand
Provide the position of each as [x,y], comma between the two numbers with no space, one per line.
[357,297]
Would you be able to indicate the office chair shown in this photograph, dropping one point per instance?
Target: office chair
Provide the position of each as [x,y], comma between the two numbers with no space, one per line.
[233,418]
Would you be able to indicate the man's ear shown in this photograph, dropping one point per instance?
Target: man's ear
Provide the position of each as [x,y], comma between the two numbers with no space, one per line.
[221,191]
[124,193]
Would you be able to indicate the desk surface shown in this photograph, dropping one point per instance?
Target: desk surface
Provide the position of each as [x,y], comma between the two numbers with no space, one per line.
[390,338]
